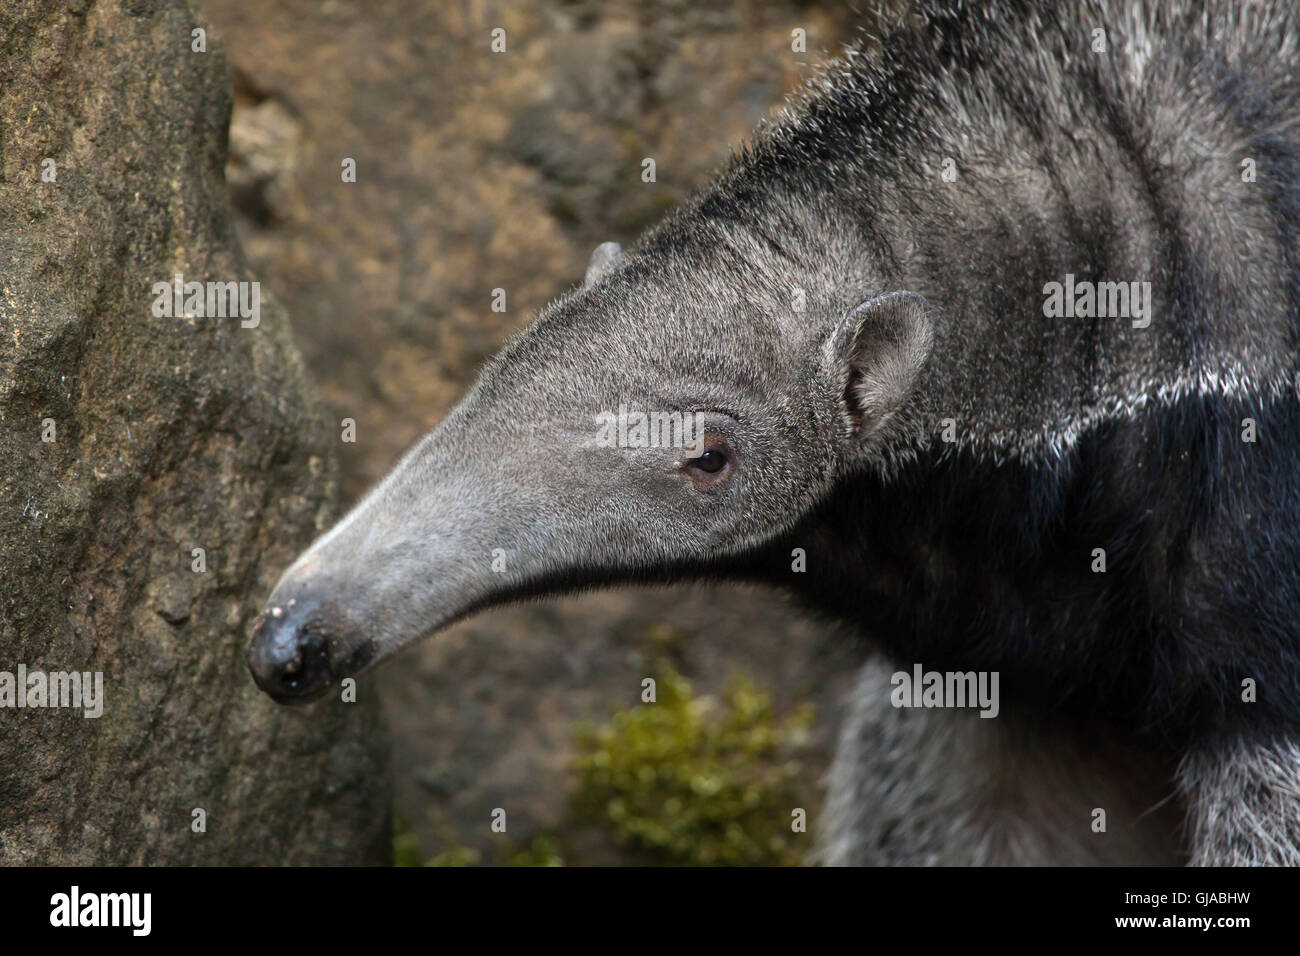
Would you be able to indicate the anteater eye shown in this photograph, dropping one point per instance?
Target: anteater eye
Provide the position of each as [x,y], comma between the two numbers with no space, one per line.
[711,461]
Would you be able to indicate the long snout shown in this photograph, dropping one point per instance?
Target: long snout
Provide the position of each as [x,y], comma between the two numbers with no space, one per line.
[384,576]
[448,531]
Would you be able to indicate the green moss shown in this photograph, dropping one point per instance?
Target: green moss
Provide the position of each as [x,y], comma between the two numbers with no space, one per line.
[408,852]
[684,780]
[543,851]
[406,845]
[456,856]
[690,780]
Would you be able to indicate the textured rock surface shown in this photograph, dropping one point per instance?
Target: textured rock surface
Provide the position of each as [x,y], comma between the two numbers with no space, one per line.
[170,435]
[478,171]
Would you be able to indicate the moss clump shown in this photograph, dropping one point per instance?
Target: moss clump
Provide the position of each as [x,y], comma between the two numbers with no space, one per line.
[408,852]
[690,780]
[543,851]
[456,856]
[406,845]
[685,780]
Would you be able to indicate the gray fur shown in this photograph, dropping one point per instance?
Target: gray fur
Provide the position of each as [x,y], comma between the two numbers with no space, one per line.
[831,307]
[931,787]
[1244,804]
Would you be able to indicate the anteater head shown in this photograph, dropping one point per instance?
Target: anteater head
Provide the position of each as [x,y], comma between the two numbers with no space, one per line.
[667,420]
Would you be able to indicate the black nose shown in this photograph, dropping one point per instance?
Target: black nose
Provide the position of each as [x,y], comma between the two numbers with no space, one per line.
[289,655]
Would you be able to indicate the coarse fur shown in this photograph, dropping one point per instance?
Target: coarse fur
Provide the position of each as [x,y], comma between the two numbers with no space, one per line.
[924,787]
[865,339]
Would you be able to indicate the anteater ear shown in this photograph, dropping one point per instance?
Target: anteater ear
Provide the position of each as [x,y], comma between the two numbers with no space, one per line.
[603,261]
[875,356]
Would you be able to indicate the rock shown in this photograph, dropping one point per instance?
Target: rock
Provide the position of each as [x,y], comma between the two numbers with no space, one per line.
[168,435]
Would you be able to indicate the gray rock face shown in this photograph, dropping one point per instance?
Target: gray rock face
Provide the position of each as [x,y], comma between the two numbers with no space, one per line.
[169,434]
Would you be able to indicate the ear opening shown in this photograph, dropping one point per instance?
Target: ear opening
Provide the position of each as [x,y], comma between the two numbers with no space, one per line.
[877,353]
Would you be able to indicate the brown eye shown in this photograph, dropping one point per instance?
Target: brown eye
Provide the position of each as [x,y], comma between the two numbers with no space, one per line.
[711,462]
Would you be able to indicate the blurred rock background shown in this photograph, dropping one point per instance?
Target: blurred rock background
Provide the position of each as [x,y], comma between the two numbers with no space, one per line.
[477,170]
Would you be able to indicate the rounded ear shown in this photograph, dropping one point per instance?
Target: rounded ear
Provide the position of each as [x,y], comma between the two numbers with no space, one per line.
[874,356]
[604,259]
